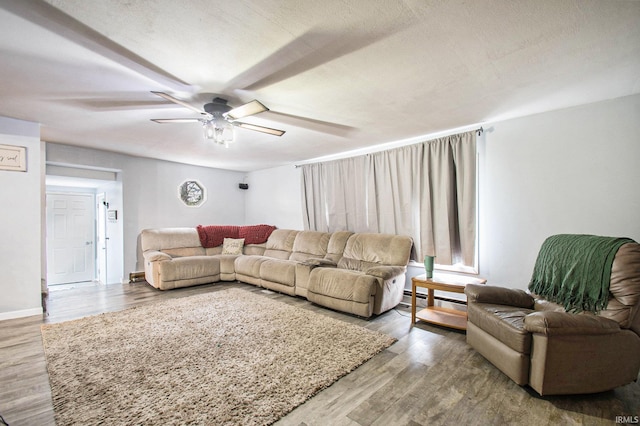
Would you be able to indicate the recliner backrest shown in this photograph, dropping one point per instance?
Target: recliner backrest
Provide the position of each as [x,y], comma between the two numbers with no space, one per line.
[337,242]
[280,243]
[624,288]
[364,250]
[310,245]
[173,241]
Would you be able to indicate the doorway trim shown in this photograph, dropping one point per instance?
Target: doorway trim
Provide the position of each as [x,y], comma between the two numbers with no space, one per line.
[61,178]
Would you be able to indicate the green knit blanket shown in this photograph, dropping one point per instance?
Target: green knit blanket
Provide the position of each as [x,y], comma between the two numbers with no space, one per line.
[575,270]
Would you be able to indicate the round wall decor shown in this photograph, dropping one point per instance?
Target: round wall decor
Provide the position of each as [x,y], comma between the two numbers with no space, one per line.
[192,193]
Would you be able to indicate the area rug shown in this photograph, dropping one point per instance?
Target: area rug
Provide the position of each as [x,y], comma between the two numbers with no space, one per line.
[225,357]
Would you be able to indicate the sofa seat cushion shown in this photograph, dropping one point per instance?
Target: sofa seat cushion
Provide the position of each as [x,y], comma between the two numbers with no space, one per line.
[279,271]
[249,265]
[505,323]
[185,268]
[343,284]
[227,263]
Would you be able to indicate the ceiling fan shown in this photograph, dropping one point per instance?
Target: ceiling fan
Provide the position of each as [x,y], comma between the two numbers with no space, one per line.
[218,118]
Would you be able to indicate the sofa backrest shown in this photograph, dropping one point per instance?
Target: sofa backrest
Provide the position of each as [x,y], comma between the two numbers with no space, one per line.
[255,249]
[280,243]
[173,241]
[336,246]
[364,250]
[624,288]
[310,245]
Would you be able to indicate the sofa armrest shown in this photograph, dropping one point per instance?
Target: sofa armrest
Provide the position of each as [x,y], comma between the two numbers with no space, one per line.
[498,296]
[386,272]
[155,256]
[325,263]
[555,323]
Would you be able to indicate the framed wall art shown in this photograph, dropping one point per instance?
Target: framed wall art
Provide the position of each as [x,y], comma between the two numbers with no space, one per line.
[192,193]
[13,158]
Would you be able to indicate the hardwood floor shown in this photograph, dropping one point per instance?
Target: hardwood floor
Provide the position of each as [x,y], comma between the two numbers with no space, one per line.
[429,377]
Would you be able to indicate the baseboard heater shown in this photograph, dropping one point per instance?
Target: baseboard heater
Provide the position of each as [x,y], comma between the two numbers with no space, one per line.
[135,277]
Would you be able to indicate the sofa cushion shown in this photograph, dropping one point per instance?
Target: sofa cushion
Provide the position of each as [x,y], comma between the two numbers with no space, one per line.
[280,243]
[185,268]
[254,249]
[227,263]
[168,238]
[309,245]
[232,246]
[249,265]
[364,251]
[279,271]
[343,284]
[505,323]
[337,242]
[185,251]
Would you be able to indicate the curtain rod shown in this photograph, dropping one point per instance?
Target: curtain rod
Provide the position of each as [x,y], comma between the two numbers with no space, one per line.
[478,131]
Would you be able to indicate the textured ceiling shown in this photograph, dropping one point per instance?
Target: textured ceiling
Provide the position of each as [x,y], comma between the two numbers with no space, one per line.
[337,75]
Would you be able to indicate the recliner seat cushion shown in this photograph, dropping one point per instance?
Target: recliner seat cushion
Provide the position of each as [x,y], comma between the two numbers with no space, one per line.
[505,323]
[279,271]
[343,284]
[185,268]
[249,265]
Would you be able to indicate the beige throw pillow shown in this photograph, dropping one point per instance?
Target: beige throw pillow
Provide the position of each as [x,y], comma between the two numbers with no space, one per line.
[232,246]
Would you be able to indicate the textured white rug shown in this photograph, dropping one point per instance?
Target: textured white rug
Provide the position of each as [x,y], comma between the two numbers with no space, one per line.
[226,357]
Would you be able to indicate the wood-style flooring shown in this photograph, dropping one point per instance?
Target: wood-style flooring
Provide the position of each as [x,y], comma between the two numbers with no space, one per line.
[429,377]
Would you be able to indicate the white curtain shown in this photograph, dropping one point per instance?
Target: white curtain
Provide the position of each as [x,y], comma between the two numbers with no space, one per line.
[335,196]
[426,191]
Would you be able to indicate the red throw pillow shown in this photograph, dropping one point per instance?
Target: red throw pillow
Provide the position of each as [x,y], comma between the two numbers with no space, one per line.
[256,234]
[214,235]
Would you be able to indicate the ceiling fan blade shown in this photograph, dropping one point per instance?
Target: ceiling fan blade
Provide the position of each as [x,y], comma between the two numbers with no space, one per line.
[179,102]
[176,120]
[262,129]
[310,123]
[250,108]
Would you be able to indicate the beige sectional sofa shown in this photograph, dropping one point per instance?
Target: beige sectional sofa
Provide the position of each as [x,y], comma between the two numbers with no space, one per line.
[358,273]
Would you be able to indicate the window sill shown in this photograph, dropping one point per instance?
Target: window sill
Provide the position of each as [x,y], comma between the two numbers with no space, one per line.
[461,269]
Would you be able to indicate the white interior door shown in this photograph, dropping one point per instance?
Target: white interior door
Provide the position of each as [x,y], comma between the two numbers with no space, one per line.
[70,238]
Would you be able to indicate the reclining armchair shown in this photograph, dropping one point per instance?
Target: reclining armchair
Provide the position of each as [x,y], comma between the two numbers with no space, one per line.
[565,341]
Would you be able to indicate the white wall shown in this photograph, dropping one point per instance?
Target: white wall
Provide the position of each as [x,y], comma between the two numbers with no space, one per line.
[274,198]
[569,171]
[575,170]
[150,194]
[115,232]
[20,224]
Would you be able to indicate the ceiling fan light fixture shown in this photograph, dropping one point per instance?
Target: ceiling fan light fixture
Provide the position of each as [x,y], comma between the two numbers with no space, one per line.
[220,119]
[209,129]
[219,131]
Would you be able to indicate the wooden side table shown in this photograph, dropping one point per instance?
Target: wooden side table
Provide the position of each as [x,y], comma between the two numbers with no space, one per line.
[435,314]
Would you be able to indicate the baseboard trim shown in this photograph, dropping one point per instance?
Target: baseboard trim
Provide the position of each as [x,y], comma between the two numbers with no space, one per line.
[20,314]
